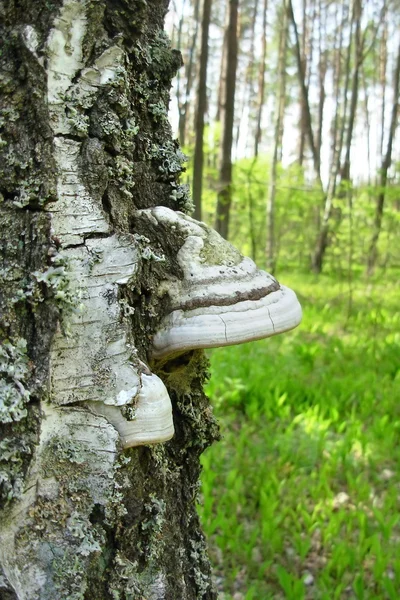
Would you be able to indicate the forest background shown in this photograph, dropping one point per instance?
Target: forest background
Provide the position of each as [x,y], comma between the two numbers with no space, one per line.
[288,113]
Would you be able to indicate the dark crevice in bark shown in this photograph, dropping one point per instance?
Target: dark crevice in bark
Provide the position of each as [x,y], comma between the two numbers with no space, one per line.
[93,235]
[102,567]
[105,201]
[74,138]
[8,195]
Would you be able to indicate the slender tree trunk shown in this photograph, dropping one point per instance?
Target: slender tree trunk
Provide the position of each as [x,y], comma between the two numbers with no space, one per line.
[387,161]
[322,67]
[382,80]
[200,111]
[87,146]
[358,59]
[305,99]
[222,75]
[303,46]
[225,174]
[261,80]
[247,97]
[337,146]
[179,78]
[279,115]
[367,122]
[337,82]
[190,76]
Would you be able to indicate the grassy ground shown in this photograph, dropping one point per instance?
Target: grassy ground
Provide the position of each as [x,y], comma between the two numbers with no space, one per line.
[301,498]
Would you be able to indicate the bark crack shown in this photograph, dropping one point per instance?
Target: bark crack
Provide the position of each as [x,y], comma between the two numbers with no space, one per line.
[222,319]
[269,314]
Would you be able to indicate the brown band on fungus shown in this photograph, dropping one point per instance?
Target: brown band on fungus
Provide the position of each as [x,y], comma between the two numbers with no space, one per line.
[254,294]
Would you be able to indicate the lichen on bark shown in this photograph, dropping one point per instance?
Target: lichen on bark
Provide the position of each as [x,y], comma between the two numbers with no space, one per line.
[85,144]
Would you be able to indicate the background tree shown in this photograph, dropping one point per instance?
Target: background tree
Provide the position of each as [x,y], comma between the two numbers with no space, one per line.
[200,111]
[279,117]
[225,171]
[386,162]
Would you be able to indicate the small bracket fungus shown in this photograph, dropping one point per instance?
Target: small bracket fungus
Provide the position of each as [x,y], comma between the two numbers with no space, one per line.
[222,299]
[149,418]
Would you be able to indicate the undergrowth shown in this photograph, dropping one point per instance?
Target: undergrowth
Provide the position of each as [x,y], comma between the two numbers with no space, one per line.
[301,497]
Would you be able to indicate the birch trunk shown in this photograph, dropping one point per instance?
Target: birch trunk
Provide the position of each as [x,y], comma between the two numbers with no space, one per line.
[308,125]
[261,80]
[386,163]
[190,77]
[278,134]
[225,172]
[358,60]
[201,111]
[85,143]
[338,131]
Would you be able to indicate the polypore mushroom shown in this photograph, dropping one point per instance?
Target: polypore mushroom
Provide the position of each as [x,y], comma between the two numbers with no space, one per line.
[223,298]
[148,420]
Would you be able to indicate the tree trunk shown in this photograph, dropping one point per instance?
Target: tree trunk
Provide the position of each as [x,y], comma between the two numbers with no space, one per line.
[248,84]
[225,174]
[305,98]
[337,146]
[387,161]
[278,134]
[85,146]
[222,73]
[307,51]
[382,79]
[200,112]
[322,68]
[367,122]
[358,59]
[190,76]
[261,80]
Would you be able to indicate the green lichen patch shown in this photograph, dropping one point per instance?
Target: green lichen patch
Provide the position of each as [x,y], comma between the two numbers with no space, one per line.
[69,576]
[216,252]
[126,581]
[14,372]
[13,454]
[54,284]
[152,527]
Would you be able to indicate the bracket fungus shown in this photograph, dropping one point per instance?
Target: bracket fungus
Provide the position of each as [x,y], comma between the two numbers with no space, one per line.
[222,299]
[147,421]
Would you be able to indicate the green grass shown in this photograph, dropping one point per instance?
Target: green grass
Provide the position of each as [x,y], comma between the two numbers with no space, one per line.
[301,497]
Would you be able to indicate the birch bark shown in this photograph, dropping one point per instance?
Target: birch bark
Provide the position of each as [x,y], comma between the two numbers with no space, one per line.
[85,144]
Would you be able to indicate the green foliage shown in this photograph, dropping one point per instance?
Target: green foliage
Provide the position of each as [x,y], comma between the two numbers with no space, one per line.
[298,212]
[300,498]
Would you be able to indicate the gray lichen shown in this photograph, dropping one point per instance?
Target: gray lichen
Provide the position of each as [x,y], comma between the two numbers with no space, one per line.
[14,372]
